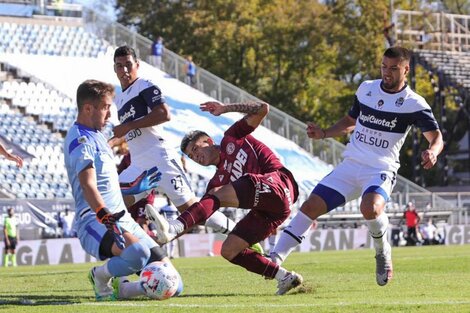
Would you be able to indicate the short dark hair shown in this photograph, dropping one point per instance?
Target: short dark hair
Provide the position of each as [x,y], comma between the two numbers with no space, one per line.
[191,136]
[123,51]
[398,52]
[92,91]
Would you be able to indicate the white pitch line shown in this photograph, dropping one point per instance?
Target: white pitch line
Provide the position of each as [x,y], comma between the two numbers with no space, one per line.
[268,305]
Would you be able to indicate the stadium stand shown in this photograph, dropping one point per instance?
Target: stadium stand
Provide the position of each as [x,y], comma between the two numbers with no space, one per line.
[17,9]
[44,98]
[441,43]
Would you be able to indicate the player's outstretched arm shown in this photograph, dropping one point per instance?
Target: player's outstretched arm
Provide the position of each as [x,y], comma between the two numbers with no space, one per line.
[255,111]
[436,144]
[344,126]
[18,160]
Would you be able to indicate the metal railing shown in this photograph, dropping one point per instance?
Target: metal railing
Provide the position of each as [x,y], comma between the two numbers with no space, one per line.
[329,150]
[434,31]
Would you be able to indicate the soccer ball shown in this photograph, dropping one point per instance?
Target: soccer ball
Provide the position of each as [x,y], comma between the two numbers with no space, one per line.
[160,280]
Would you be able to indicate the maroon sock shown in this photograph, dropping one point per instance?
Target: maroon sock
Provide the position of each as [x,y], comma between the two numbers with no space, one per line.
[200,211]
[256,263]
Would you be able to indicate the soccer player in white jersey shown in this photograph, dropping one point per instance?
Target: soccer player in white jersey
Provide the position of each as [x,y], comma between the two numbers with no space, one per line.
[382,114]
[141,111]
[104,227]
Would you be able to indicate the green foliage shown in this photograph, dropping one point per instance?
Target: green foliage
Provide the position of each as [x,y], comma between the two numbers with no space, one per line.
[306,57]
[426,279]
[457,6]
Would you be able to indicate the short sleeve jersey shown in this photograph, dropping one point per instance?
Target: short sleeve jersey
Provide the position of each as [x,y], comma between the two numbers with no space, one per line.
[382,122]
[84,147]
[135,102]
[241,153]
[10,225]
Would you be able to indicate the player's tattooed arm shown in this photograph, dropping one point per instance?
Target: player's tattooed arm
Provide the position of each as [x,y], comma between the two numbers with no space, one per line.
[255,111]
[250,108]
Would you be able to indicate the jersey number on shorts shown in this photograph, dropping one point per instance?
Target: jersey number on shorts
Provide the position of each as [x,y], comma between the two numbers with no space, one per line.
[177,183]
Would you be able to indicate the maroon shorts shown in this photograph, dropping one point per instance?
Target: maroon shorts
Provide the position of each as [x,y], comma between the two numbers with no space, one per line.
[137,210]
[270,197]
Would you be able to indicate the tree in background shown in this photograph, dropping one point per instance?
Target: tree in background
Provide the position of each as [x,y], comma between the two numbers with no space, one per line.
[302,56]
[305,57]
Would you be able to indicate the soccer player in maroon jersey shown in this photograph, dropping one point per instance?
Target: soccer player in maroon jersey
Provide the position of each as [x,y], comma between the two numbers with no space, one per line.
[249,176]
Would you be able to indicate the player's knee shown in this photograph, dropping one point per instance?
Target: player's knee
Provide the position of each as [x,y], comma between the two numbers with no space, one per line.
[156,254]
[313,207]
[372,209]
[228,251]
[136,256]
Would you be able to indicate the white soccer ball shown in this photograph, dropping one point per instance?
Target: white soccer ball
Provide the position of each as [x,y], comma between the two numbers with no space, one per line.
[160,280]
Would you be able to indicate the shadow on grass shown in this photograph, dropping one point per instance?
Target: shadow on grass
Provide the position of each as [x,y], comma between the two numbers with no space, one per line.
[28,299]
[38,300]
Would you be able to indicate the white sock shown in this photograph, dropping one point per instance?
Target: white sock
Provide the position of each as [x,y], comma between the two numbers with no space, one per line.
[292,235]
[272,241]
[220,223]
[280,273]
[378,231]
[128,290]
[102,272]
[176,227]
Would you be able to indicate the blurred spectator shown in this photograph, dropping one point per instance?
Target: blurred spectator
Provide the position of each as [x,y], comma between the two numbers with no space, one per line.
[412,221]
[429,233]
[190,69]
[66,220]
[11,233]
[157,53]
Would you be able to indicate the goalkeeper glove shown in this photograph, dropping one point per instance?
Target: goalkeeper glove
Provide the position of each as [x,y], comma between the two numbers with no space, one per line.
[147,180]
[109,220]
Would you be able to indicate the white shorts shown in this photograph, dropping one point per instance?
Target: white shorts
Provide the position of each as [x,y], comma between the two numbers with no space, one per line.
[352,179]
[174,183]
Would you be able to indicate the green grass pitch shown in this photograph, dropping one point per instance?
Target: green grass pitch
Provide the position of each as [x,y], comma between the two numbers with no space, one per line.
[427,279]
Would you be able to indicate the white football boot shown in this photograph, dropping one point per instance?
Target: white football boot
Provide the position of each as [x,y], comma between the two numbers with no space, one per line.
[384,267]
[103,289]
[290,281]
[162,227]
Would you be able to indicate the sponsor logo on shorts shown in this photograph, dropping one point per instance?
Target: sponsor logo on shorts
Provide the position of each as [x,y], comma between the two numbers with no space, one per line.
[259,189]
